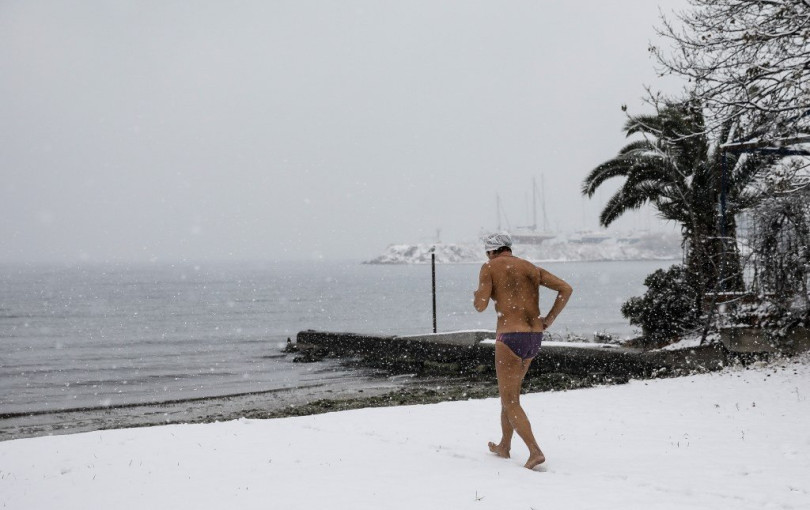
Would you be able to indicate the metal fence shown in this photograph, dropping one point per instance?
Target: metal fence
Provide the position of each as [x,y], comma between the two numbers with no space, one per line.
[774,246]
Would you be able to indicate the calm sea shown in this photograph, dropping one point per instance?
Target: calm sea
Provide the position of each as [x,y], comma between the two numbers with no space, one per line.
[75,337]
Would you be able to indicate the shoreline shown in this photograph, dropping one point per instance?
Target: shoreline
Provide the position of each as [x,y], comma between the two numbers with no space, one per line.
[194,410]
[370,388]
[369,379]
[387,391]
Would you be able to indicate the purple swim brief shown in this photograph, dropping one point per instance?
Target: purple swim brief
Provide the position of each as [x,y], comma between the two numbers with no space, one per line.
[525,344]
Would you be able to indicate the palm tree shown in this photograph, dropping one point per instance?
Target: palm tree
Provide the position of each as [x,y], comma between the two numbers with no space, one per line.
[677,168]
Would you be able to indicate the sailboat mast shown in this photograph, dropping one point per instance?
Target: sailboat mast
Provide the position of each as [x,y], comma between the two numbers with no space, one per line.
[498,210]
[543,202]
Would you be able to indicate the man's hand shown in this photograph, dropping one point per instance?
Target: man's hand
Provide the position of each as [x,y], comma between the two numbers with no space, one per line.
[563,294]
[484,292]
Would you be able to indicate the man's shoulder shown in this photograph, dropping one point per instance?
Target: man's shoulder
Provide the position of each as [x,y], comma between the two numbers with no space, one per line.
[521,260]
[512,261]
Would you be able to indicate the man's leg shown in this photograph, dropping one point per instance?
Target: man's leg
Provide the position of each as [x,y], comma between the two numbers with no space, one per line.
[511,370]
[502,449]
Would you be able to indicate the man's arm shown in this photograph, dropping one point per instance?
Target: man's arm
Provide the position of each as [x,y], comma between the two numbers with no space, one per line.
[484,291]
[564,292]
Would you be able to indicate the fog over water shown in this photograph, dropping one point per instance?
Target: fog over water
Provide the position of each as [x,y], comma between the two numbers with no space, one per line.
[170,131]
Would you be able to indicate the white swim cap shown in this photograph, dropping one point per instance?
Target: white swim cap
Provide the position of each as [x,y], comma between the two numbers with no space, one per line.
[494,241]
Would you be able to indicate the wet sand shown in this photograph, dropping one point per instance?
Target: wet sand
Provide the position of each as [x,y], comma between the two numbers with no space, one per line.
[349,393]
[275,403]
[379,382]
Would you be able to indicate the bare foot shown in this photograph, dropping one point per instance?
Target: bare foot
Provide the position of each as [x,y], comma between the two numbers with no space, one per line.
[499,450]
[535,460]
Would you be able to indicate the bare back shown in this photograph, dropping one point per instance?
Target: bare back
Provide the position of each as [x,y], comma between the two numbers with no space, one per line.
[516,293]
[514,285]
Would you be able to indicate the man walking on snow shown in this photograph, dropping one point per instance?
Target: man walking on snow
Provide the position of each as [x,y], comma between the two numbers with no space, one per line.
[513,284]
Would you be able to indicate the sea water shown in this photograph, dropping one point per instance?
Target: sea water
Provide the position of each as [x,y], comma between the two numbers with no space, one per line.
[95,336]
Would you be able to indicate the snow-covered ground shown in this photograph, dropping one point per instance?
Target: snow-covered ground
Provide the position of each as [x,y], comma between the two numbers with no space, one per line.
[650,246]
[733,439]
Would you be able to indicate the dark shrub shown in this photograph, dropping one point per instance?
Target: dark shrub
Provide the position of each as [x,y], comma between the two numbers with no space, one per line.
[667,309]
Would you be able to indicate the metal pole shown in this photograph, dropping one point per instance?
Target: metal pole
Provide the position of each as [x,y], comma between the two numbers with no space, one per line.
[723,196]
[433,281]
[723,222]
[534,204]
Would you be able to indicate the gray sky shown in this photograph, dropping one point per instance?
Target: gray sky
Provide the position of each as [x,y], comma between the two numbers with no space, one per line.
[176,130]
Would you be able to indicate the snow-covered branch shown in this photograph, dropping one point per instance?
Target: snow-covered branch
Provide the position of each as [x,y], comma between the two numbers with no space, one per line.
[744,58]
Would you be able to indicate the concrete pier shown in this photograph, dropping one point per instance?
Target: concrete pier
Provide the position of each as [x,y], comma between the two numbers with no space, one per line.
[757,340]
[464,353]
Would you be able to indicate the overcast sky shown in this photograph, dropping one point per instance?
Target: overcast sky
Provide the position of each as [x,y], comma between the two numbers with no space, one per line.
[176,130]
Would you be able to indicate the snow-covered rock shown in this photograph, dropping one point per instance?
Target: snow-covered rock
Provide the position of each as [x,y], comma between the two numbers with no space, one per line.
[420,254]
[649,246]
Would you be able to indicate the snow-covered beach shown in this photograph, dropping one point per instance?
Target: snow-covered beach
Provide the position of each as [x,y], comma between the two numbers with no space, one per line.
[731,439]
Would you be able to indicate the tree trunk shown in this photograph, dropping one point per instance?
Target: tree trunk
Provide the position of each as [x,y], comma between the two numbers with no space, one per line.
[713,261]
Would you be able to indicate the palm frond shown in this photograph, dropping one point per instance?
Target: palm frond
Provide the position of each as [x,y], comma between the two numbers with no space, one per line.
[638,146]
[650,170]
[746,169]
[646,124]
[743,200]
[615,167]
[629,198]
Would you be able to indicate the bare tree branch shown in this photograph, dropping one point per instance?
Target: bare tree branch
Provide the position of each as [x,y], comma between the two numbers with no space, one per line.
[746,59]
